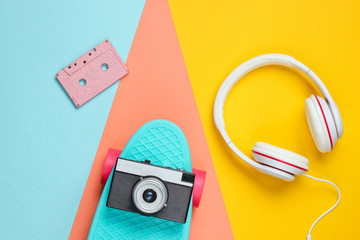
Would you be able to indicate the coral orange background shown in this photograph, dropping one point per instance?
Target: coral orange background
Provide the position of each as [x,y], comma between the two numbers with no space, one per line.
[157,87]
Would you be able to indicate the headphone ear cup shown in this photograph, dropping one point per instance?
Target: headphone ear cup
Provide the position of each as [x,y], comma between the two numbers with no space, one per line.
[279,162]
[276,173]
[321,123]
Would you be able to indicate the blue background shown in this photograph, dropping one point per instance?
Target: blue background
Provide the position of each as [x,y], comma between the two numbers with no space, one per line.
[47,145]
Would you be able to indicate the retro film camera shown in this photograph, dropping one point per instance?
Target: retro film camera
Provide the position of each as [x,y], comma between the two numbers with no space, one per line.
[151,190]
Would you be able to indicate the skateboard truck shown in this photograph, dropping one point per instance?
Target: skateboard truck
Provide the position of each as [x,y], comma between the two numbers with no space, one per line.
[113,155]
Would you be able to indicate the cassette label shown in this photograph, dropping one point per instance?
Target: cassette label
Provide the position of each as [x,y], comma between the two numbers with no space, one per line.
[92,73]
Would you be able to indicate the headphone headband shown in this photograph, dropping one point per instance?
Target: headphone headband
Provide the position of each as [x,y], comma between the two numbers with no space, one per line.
[267,60]
[255,63]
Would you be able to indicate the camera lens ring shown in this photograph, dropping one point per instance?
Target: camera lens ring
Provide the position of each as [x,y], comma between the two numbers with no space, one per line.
[153,184]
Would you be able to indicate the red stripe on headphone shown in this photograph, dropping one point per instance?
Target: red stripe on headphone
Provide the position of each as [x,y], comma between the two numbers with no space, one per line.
[327,127]
[279,160]
[276,168]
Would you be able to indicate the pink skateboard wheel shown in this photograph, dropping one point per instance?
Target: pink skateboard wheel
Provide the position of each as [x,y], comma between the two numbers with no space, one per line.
[109,163]
[198,186]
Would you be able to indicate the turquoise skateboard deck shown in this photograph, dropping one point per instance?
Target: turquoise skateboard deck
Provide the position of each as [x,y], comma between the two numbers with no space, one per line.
[164,144]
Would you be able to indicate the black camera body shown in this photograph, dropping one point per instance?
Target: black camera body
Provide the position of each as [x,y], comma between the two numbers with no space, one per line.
[151,190]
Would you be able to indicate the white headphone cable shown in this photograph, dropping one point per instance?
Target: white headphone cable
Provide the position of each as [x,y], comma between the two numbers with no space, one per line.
[308,237]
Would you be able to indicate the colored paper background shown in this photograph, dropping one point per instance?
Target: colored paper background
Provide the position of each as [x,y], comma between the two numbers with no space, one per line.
[157,87]
[268,105]
[47,145]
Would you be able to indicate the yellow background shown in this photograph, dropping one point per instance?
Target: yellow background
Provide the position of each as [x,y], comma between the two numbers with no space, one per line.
[268,105]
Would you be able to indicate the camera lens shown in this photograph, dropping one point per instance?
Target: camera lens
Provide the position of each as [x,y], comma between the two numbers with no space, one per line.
[149,195]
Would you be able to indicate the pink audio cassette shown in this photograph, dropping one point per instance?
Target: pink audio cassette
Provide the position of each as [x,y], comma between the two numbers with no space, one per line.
[92,73]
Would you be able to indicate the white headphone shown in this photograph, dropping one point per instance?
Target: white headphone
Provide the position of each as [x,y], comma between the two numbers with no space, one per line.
[322,114]
[323,117]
